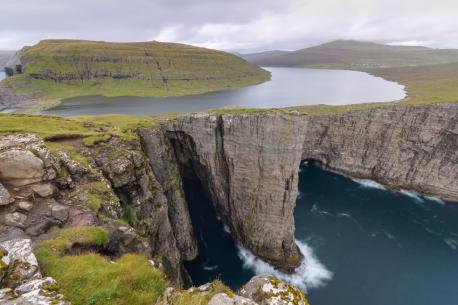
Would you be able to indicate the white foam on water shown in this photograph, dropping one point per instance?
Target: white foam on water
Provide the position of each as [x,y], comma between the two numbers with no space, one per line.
[299,195]
[310,274]
[369,184]
[210,268]
[413,195]
[435,199]
[451,242]
[226,229]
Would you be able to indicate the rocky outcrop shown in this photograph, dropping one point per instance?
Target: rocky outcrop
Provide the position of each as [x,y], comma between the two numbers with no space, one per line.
[145,205]
[268,290]
[260,290]
[21,282]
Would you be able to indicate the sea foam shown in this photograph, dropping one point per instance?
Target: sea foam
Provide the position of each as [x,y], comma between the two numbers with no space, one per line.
[369,184]
[435,199]
[417,197]
[310,274]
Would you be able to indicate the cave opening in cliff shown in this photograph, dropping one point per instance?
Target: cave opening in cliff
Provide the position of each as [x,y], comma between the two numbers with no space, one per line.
[218,256]
[218,253]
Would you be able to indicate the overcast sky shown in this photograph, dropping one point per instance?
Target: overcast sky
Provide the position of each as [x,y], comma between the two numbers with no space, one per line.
[236,25]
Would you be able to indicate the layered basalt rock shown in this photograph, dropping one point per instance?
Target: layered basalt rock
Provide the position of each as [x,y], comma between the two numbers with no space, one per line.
[413,147]
[248,163]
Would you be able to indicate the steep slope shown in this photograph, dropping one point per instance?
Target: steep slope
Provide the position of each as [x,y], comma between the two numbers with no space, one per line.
[56,69]
[355,55]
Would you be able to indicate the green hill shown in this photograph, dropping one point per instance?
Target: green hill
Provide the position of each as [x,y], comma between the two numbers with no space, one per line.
[57,69]
[356,55]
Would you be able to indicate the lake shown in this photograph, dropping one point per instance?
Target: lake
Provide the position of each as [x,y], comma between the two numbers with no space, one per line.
[363,244]
[288,87]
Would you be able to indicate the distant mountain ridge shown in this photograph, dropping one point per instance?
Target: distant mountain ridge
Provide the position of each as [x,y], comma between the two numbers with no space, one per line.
[354,55]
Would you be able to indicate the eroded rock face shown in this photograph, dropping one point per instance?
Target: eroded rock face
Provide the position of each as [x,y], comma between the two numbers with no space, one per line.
[248,163]
[403,147]
[144,203]
[5,197]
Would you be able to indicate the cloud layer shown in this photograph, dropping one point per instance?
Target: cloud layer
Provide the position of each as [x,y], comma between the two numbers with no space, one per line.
[237,25]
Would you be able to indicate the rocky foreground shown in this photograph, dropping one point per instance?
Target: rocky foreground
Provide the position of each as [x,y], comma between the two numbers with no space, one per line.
[122,196]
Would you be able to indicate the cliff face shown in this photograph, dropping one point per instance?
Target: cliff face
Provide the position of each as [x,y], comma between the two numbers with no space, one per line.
[248,163]
[403,147]
[248,166]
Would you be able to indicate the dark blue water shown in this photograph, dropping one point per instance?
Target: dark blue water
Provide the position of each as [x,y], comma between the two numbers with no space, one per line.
[288,87]
[382,247]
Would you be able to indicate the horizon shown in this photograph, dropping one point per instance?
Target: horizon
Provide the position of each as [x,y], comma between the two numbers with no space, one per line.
[239,26]
[234,51]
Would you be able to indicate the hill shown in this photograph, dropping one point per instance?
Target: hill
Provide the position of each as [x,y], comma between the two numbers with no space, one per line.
[56,69]
[356,55]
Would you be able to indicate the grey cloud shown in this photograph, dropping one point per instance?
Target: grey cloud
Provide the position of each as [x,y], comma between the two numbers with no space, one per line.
[242,25]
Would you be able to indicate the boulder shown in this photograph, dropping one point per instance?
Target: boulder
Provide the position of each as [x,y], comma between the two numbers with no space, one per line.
[21,262]
[25,205]
[5,197]
[43,189]
[59,212]
[268,290]
[15,219]
[20,167]
[80,218]
[224,299]
[41,226]
[35,292]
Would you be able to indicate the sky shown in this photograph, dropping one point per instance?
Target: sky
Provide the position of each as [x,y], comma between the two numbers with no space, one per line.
[234,25]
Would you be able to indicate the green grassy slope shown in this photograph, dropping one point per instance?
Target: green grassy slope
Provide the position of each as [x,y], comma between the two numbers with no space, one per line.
[57,69]
[356,55]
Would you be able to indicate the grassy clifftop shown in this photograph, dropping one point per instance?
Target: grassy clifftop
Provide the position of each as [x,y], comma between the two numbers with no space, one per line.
[57,69]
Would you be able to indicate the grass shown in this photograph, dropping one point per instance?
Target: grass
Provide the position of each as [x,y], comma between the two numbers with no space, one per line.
[90,279]
[59,69]
[95,128]
[96,194]
[197,297]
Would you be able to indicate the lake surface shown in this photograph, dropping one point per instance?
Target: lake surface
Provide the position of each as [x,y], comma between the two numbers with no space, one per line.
[288,87]
[364,245]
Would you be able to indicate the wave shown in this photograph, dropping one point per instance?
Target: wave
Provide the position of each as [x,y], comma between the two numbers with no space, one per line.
[226,229]
[366,183]
[414,195]
[316,210]
[210,268]
[451,242]
[435,199]
[310,274]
